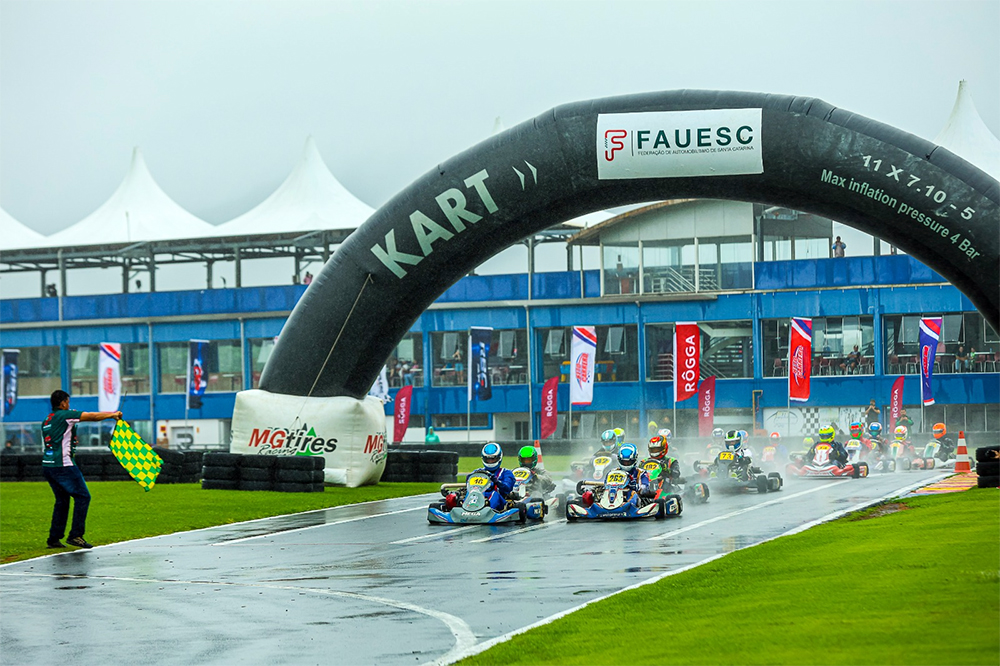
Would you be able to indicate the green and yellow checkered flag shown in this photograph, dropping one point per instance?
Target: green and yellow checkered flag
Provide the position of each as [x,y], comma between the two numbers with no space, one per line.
[135,455]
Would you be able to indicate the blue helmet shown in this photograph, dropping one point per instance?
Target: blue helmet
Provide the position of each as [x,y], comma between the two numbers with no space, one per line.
[875,429]
[492,456]
[734,440]
[608,440]
[628,456]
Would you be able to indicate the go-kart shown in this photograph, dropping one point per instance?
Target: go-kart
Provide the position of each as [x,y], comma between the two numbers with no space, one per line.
[525,491]
[613,499]
[945,454]
[466,503]
[730,473]
[856,451]
[697,492]
[881,462]
[822,467]
[594,469]
[906,456]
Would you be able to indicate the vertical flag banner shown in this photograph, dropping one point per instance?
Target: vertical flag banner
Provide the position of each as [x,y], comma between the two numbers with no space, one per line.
[930,334]
[895,403]
[380,387]
[706,407]
[109,377]
[136,457]
[550,408]
[197,374]
[687,361]
[8,381]
[799,358]
[401,416]
[480,383]
[583,354]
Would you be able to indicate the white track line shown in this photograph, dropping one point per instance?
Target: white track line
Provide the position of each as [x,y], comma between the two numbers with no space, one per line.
[464,637]
[439,535]
[748,509]
[310,527]
[520,531]
[485,645]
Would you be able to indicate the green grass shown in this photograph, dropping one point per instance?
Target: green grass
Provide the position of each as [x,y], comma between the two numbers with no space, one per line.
[919,586]
[121,510]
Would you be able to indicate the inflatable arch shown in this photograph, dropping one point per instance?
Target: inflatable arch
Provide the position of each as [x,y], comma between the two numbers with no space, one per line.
[790,151]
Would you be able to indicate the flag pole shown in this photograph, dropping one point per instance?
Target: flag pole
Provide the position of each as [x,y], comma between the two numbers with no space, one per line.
[468,395]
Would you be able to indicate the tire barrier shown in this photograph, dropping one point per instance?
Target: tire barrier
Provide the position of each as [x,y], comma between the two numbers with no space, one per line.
[421,466]
[284,474]
[987,453]
[178,466]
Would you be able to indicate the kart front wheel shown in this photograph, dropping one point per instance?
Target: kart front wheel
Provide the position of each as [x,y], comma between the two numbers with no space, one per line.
[761,484]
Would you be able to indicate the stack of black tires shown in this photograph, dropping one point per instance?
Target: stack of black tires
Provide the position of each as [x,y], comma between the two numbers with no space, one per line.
[179,466]
[420,466]
[284,474]
[987,462]
[21,467]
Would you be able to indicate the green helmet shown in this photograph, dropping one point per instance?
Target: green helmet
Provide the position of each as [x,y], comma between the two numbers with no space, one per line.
[527,457]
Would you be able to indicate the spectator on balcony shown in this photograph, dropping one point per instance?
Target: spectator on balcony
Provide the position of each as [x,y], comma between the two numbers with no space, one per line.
[962,361]
[838,247]
[850,364]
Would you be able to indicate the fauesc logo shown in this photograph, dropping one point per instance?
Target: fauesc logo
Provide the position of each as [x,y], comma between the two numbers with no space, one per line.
[658,141]
[287,442]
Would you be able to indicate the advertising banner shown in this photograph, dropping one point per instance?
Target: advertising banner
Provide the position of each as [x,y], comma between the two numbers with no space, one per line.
[799,358]
[197,374]
[583,354]
[930,334]
[401,416]
[895,403]
[480,383]
[706,407]
[109,377]
[679,144]
[8,381]
[687,362]
[380,388]
[550,409]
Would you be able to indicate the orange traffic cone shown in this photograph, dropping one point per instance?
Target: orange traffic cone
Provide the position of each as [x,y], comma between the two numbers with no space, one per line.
[962,455]
[538,448]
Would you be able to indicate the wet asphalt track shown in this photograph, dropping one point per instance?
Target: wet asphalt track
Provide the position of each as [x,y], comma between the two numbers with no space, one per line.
[368,584]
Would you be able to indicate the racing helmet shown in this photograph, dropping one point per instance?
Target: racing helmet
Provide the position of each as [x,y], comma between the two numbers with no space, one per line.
[658,446]
[744,435]
[492,456]
[808,441]
[619,436]
[875,429]
[939,430]
[628,456]
[857,430]
[527,457]
[775,437]
[734,440]
[826,434]
[900,432]
[665,432]
[608,440]
[719,433]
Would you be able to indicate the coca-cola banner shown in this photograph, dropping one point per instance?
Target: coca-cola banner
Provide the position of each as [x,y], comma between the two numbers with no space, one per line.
[687,350]
[706,407]
[930,334]
[799,358]
[401,418]
[549,408]
[895,402]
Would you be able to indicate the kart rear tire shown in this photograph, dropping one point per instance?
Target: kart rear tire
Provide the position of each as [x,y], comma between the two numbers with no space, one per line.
[775,485]
[762,484]
[862,468]
[522,512]
[928,463]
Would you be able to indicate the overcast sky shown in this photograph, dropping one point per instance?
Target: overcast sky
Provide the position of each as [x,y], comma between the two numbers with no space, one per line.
[220,96]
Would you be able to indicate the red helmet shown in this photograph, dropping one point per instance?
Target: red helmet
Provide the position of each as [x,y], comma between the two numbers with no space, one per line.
[857,430]
[939,430]
[658,446]
[775,436]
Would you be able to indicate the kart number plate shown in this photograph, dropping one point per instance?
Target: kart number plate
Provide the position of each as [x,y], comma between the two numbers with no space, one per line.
[602,461]
[617,478]
[521,474]
[651,466]
[725,455]
[478,481]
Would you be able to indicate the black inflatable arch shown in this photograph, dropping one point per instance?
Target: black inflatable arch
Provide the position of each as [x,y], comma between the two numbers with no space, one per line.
[789,151]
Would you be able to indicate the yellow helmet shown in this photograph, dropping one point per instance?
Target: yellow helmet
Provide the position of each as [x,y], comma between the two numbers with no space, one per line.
[826,434]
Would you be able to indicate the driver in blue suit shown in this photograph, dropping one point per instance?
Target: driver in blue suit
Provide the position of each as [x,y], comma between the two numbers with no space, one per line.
[638,479]
[503,479]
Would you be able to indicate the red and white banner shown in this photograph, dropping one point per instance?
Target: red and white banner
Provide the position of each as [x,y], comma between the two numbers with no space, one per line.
[799,358]
[401,417]
[706,407]
[687,352]
[550,409]
[109,377]
[895,403]
[583,356]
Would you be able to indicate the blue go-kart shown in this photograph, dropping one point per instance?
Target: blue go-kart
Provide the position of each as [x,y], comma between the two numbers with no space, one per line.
[614,500]
[466,504]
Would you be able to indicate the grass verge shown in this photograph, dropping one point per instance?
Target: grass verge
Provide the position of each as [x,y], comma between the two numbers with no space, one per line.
[121,510]
[914,586]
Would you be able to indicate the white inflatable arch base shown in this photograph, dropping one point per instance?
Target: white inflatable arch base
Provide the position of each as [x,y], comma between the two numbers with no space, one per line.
[349,434]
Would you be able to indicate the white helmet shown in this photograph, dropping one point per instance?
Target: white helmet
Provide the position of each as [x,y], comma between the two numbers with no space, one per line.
[900,432]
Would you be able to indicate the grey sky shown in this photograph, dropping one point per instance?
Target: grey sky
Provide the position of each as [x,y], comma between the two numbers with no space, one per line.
[220,96]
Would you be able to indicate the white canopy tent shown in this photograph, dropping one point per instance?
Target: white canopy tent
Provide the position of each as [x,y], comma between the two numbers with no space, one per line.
[966,135]
[15,236]
[137,211]
[310,199]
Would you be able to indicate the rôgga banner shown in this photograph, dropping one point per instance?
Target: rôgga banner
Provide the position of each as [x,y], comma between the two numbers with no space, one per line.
[674,144]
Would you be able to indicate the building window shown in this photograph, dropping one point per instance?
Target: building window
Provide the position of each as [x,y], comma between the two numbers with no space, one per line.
[134,369]
[448,351]
[617,353]
[39,371]
[222,364]
[963,334]
[840,345]
[404,367]
[726,350]
[459,421]
[260,351]
[621,269]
